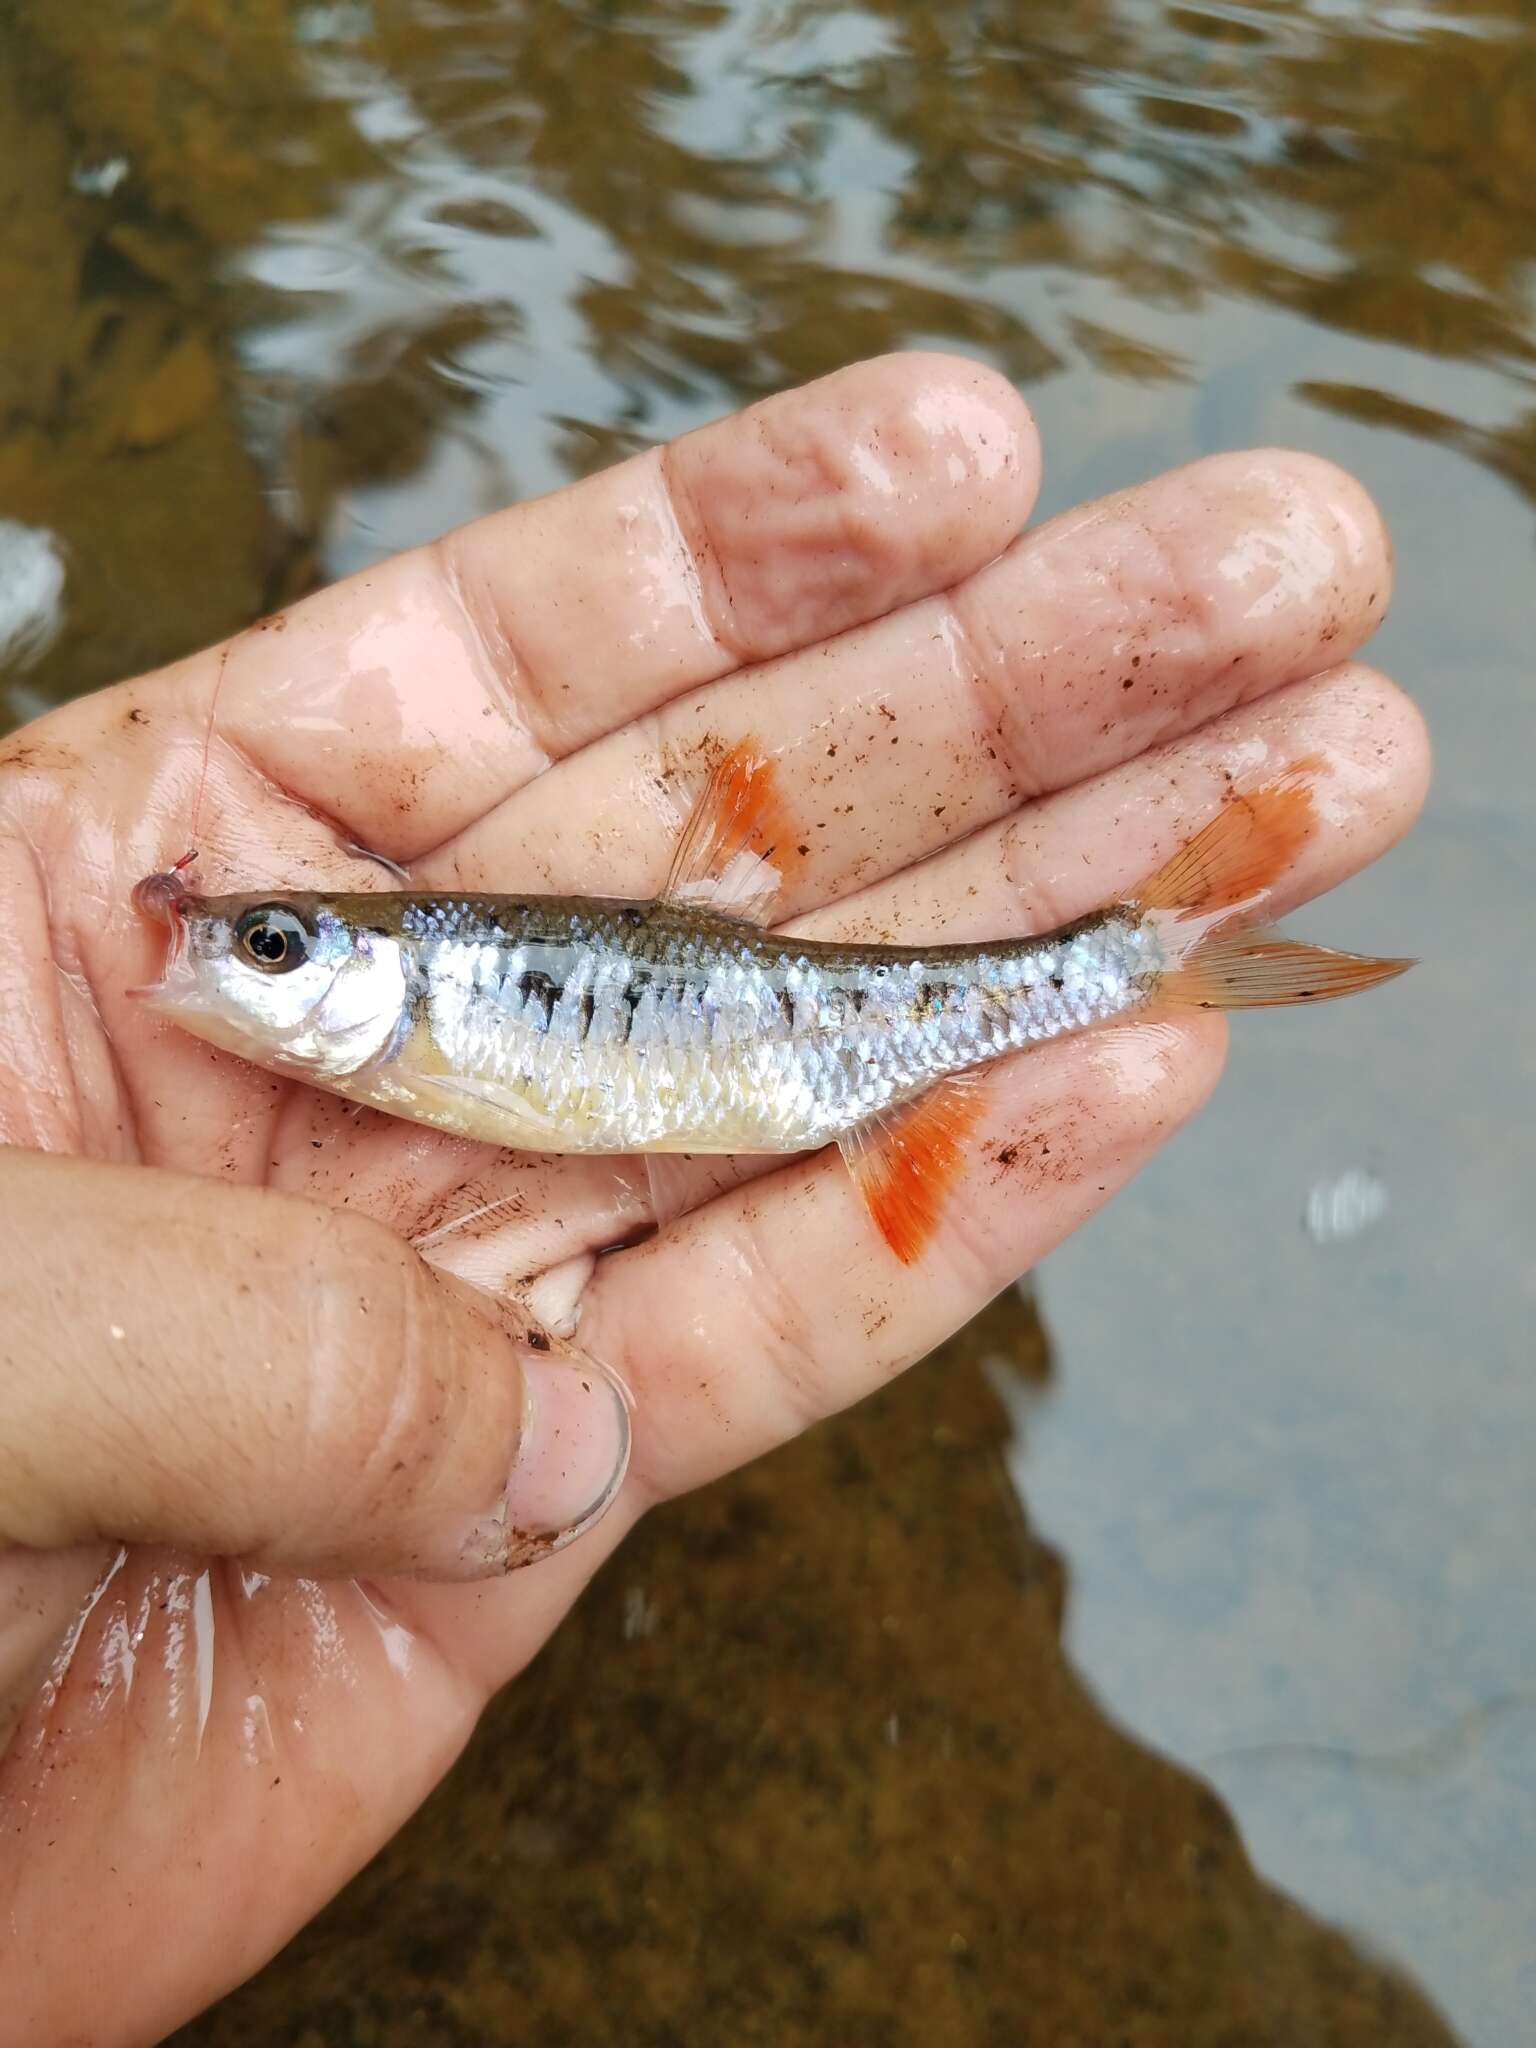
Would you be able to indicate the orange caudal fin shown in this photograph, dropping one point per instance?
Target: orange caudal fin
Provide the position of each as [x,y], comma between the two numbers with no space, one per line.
[1199,901]
[1239,856]
[1256,970]
[905,1163]
[738,845]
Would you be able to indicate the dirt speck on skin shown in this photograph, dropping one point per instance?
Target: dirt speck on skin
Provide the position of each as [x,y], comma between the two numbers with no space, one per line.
[524,1549]
[43,757]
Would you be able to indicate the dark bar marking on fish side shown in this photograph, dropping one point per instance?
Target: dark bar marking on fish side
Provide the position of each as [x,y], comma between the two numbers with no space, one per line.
[533,981]
[630,996]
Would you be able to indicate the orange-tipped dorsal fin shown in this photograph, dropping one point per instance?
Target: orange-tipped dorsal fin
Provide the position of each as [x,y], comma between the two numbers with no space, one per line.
[905,1162]
[738,846]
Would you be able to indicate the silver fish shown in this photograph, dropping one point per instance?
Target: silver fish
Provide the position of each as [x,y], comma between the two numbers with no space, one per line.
[559,1024]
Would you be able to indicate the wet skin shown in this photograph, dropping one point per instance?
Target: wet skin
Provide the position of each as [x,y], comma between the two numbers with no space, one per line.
[495,712]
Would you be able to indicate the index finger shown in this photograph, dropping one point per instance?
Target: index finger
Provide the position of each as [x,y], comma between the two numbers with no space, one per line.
[406,701]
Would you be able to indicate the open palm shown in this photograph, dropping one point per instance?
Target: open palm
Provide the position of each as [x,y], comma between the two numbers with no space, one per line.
[233,1417]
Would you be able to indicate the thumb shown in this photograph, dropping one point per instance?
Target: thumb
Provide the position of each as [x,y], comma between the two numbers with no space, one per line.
[244,1373]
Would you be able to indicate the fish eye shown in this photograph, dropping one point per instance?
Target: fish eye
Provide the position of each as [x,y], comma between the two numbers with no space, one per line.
[273,938]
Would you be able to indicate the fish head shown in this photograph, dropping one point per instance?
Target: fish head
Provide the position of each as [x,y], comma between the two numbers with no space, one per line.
[284,981]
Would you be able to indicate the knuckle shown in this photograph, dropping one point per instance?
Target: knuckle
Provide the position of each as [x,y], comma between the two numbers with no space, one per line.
[787,1341]
[379,1385]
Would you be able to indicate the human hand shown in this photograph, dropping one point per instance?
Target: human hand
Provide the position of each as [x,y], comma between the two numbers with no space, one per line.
[236,1404]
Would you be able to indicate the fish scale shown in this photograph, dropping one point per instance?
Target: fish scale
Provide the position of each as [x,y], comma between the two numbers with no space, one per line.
[638,1030]
[682,1025]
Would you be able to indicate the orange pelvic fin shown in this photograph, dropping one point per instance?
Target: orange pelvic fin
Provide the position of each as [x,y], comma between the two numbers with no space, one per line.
[905,1163]
[738,846]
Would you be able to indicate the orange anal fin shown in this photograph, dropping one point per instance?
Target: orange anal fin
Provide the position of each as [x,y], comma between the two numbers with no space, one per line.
[738,846]
[1249,970]
[1241,853]
[905,1163]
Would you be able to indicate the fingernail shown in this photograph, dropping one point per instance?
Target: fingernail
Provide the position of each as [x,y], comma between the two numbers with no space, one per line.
[572,1452]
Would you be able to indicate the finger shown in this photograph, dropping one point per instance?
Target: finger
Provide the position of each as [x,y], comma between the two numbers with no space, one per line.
[498,1218]
[519,1224]
[39,1595]
[214,1752]
[1112,629]
[406,701]
[1073,852]
[783,1303]
[244,1374]
[1271,535]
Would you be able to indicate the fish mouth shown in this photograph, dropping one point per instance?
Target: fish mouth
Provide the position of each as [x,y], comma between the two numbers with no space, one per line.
[163,898]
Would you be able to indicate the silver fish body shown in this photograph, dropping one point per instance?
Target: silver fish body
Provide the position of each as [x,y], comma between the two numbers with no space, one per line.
[571,1025]
[684,1025]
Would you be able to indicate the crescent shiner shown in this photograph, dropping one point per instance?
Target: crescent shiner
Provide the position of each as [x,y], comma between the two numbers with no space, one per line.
[561,1024]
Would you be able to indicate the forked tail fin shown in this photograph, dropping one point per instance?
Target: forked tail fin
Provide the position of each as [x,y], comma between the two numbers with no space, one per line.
[1199,899]
[1255,970]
